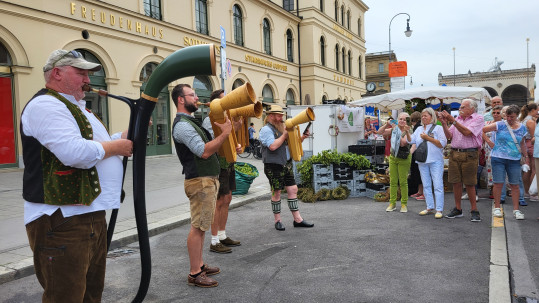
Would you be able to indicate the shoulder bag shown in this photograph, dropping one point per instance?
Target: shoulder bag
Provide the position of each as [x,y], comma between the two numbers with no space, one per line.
[522,157]
[404,151]
[422,150]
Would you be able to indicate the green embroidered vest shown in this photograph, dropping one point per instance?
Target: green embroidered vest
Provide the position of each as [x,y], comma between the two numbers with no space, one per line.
[65,185]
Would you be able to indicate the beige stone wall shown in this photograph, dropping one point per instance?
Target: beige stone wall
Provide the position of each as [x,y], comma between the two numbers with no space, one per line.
[124,39]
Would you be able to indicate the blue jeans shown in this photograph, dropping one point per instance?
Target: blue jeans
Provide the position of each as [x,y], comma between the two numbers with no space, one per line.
[520,187]
[501,167]
[432,174]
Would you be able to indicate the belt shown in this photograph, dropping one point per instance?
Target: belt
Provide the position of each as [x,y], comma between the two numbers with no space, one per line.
[463,150]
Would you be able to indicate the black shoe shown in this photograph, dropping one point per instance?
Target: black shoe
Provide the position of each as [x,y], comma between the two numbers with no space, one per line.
[303,224]
[279,225]
[455,213]
[475,216]
[502,201]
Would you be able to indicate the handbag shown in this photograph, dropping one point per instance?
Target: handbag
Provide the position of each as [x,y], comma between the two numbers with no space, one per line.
[522,157]
[422,150]
[404,151]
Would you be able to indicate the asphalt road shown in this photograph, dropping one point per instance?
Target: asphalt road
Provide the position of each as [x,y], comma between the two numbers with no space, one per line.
[355,253]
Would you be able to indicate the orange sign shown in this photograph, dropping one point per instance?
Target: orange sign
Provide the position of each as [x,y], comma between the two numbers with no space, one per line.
[398,69]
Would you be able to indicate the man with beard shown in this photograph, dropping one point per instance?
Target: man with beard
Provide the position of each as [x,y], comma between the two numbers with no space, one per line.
[278,166]
[197,153]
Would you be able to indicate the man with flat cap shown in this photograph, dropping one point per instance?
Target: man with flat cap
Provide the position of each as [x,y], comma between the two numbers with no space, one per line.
[73,173]
[278,166]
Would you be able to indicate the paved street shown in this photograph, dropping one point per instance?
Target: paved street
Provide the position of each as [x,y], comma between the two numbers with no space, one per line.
[355,253]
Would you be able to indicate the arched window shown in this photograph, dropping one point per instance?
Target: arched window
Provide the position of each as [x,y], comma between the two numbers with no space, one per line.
[237,83]
[322,5]
[350,63]
[324,99]
[348,20]
[336,11]
[203,83]
[342,15]
[5,58]
[96,103]
[289,49]
[322,51]
[359,67]
[290,97]
[359,27]
[158,140]
[267,37]
[201,12]
[238,25]
[267,94]
[337,57]
[343,60]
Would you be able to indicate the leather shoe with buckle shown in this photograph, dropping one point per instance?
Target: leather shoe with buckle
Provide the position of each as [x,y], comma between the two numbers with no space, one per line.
[202,280]
[303,224]
[279,225]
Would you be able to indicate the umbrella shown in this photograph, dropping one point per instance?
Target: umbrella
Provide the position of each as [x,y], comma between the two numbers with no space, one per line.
[449,94]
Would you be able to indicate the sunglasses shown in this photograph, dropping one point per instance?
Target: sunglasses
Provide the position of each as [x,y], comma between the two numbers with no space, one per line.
[496,113]
[73,54]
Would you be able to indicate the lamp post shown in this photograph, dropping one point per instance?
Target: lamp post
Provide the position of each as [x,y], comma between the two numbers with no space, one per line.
[454,66]
[411,82]
[408,33]
[527,71]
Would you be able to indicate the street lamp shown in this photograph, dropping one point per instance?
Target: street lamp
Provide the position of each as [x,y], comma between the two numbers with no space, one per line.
[527,71]
[408,33]
[411,82]
[453,66]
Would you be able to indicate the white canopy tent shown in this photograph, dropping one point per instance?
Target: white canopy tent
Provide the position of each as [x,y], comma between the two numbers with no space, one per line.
[449,94]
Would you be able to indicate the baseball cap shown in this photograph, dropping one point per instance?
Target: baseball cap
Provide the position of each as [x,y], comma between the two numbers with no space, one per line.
[61,57]
[275,109]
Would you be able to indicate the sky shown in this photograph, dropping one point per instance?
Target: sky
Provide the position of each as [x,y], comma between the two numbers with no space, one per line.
[480,30]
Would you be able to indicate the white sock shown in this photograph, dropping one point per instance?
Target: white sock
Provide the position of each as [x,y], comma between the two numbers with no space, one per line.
[214,240]
[221,234]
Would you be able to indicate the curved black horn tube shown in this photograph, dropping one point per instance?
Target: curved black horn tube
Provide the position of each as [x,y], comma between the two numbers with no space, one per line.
[189,61]
[132,111]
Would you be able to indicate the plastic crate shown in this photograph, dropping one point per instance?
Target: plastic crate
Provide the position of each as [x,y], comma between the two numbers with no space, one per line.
[342,172]
[319,185]
[323,178]
[348,183]
[358,175]
[377,186]
[369,193]
[357,193]
[364,142]
[378,159]
[322,169]
[360,184]
[365,150]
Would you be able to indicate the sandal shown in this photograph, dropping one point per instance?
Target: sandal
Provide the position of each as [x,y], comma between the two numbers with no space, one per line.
[420,198]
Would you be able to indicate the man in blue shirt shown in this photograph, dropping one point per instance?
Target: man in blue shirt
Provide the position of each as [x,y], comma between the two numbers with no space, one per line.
[252,132]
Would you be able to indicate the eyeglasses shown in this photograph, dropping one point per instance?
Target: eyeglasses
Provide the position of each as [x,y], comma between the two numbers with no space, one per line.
[496,113]
[73,53]
[194,95]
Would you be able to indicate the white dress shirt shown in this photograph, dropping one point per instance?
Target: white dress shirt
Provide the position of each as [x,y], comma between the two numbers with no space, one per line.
[50,122]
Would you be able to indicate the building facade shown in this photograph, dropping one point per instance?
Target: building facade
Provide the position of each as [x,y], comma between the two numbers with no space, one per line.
[286,52]
[515,86]
[377,77]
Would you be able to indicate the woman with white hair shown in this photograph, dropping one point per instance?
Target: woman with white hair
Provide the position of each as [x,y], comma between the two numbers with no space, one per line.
[432,170]
[399,162]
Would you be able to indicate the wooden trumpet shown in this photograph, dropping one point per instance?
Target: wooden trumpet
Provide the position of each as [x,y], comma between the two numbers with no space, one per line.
[242,133]
[240,97]
[294,135]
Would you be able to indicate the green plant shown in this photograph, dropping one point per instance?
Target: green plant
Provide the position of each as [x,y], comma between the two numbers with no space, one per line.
[340,193]
[328,157]
[323,194]
[308,196]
